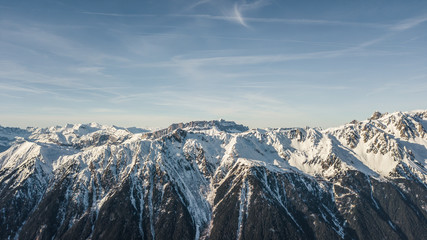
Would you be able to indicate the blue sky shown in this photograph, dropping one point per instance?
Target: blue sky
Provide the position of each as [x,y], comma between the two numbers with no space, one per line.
[265,63]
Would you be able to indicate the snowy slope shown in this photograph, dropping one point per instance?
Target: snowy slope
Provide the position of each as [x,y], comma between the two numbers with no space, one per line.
[196,176]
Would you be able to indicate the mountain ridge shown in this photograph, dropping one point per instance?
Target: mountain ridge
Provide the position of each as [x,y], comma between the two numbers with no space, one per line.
[210,180]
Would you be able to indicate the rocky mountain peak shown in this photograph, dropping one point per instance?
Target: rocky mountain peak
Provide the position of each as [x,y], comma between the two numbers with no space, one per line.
[376,115]
[220,125]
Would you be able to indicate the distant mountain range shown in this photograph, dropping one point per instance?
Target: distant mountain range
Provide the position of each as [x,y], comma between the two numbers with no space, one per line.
[216,180]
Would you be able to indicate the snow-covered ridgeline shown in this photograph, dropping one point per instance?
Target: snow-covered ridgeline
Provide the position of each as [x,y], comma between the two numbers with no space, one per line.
[196,158]
[376,146]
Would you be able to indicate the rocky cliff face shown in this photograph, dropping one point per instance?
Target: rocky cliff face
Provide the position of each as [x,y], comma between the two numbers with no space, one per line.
[217,180]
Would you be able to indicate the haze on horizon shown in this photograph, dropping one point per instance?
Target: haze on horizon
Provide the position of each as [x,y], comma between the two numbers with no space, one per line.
[262,63]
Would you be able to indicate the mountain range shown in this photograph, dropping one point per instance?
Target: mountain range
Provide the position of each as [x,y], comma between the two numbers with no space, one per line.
[216,180]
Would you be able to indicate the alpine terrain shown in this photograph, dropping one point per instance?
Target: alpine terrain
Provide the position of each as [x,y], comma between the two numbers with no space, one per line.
[216,180]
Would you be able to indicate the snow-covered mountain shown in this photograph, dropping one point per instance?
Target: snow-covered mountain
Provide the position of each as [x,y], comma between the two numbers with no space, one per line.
[216,180]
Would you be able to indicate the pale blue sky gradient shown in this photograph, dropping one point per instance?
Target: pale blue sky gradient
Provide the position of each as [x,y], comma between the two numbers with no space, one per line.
[265,63]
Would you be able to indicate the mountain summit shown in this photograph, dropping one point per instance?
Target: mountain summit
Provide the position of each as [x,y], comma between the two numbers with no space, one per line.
[216,180]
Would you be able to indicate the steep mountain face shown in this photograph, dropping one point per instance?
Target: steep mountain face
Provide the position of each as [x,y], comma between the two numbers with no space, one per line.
[216,180]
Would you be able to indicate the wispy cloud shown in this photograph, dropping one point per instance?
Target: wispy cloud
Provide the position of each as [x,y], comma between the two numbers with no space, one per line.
[236,16]
[18,73]
[40,39]
[317,22]
[14,88]
[232,13]
[241,7]
[210,102]
[111,14]
[221,65]
[260,59]
[19,79]
[92,70]
[409,23]
[198,3]
[253,5]
[394,87]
